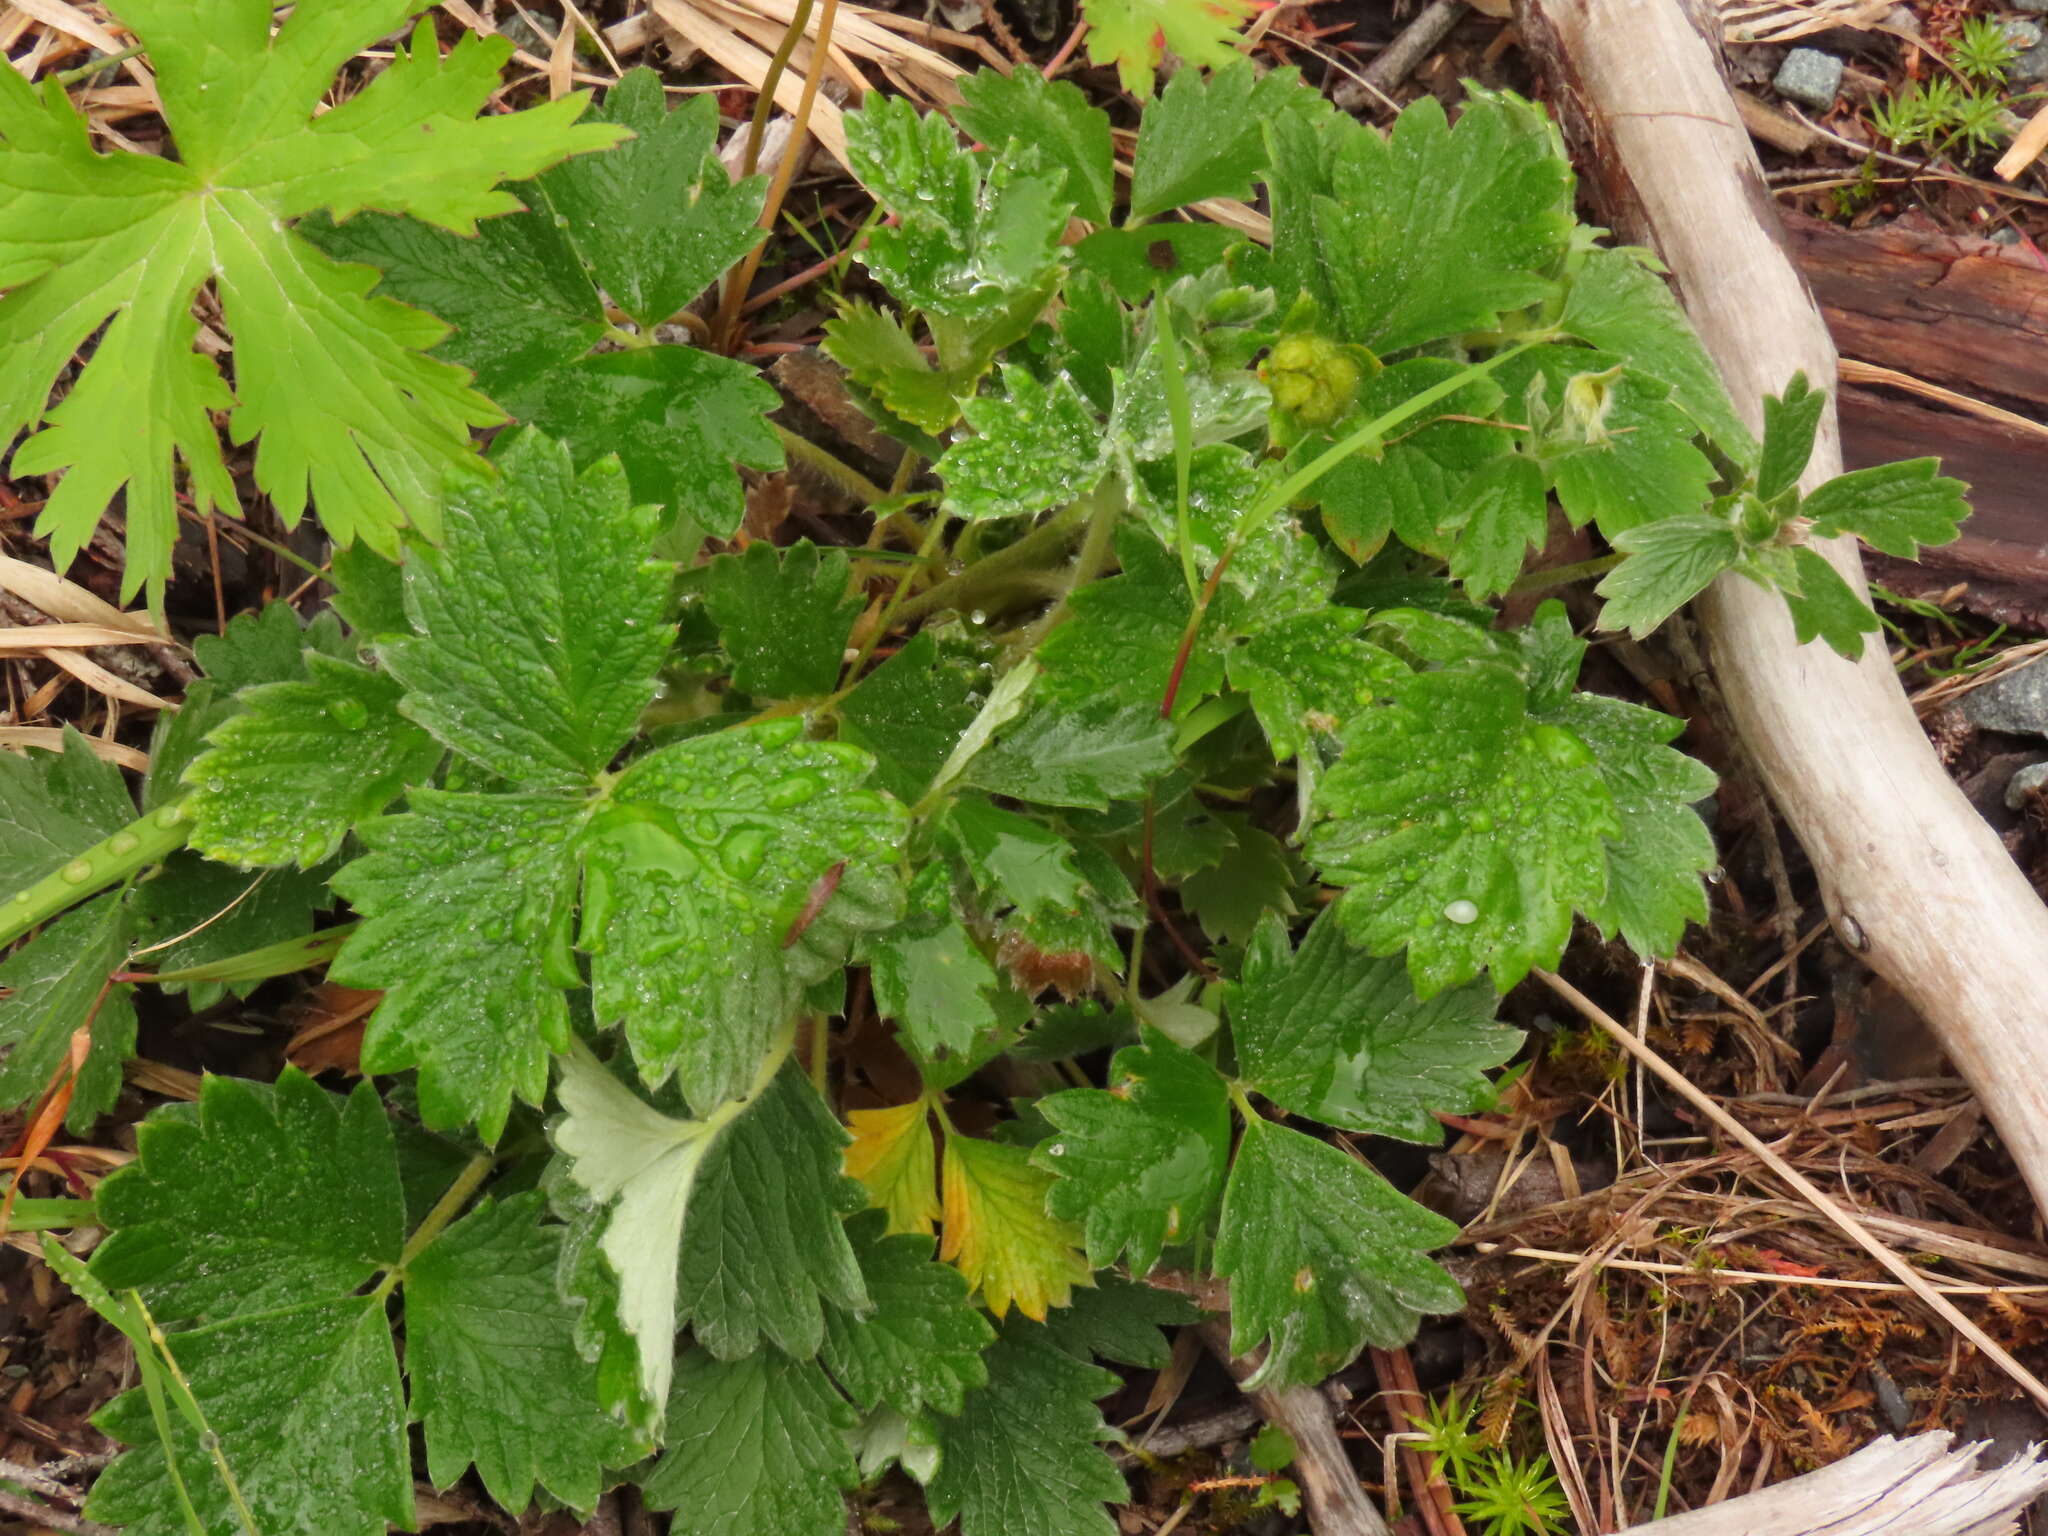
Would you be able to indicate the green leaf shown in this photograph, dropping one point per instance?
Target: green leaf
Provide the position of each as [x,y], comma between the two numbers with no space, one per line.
[469,1002]
[539,620]
[1082,755]
[929,975]
[1619,303]
[1071,136]
[1654,867]
[754,1447]
[1140,1163]
[1119,1319]
[1790,421]
[1204,138]
[1133,261]
[496,1379]
[922,1344]
[1021,862]
[1330,1032]
[193,912]
[1133,34]
[1311,673]
[1035,449]
[909,713]
[1323,1257]
[657,219]
[57,984]
[54,806]
[723,875]
[1022,1458]
[1438,229]
[765,1243]
[1618,451]
[1505,514]
[879,355]
[643,1165]
[1122,635]
[975,232]
[1253,879]
[1894,508]
[1464,829]
[331,385]
[1670,562]
[677,418]
[283,780]
[1826,607]
[783,616]
[253,1201]
[305,1402]
[265,647]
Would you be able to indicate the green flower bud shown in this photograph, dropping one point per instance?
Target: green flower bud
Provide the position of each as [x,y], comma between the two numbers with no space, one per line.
[1313,379]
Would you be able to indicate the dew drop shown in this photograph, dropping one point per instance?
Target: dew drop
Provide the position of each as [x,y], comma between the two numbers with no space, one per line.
[787,794]
[1462,912]
[123,843]
[741,854]
[77,872]
[349,714]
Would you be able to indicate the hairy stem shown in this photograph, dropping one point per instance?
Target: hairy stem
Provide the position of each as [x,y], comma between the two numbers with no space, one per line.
[1563,575]
[992,571]
[143,842]
[833,468]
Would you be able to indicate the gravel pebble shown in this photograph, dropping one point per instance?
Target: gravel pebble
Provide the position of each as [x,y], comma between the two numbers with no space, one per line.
[2015,702]
[1809,77]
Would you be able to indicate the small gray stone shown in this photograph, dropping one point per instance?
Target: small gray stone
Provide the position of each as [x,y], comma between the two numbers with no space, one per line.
[2037,7]
[2022,34]
[1809,77]
[2030,66]
[2025,782]
[2005,234]
[2015,702]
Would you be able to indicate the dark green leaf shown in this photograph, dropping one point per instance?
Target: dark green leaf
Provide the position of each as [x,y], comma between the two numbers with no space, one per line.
[54,806]
[1894,508]
[1203,138]
[929,974]
[921,1346]
[57,984]
[1790,421]
[1118,1319]
[1021,862]
[1123,634]
[910,712]
[1082,755]
[1253,879]
[1133,262]
[194,912]
[1825,607]
[1311,673]
[783,616]
[1070,135]
[1670,562]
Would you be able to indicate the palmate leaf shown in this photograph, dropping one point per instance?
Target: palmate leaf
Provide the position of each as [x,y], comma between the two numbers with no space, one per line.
[1034,450]
[1334,1033]
[998,1232]
[783,617]
[1070,135]
[1323,1256]
[653,224]
[331,385]
[1670,562]
[892,1155]
[1139,1164]
[921,1346]
[1133,35]
[1205,137]
[1894,508]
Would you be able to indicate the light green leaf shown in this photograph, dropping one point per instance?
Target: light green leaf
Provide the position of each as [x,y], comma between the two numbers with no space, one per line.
[1133,34]
[1139,1164]
[57,984]
[539,621]
[1019,862]
[54,806]
[473,1003]
[722,876]
[253,1200]
[1070,135]
[1122,635]
[1504,515]
[284,779]
[332,386]
[754,1447]
[1619,303]
[1311,673]
[1670,562]
[1323,1257]
[929,974]
[1332,1033]
[1023,1458]
[879,355]
[998,1232]
[1790,422]
[1464,829]
[783,617]
[922,1344]
[1894,508]
[496,1379]
[1034,450]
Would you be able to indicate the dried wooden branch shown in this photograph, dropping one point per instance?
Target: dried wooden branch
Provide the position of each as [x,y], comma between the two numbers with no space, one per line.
[1913,879]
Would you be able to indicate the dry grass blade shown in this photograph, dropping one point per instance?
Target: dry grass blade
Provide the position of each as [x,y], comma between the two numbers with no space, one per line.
[1749,1276]
[68,601]
[1780,21]
[43,637]
[1853,372]
[51,739]
[103,682]
[1853,1229]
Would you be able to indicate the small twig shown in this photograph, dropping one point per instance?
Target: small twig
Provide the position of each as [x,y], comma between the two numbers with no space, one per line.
[1398,59]
[1850,1227]
[41,1515]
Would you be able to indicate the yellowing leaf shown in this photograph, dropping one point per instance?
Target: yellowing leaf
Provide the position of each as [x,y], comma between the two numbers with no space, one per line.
[891,1154]
[1133,33]
[998,1234]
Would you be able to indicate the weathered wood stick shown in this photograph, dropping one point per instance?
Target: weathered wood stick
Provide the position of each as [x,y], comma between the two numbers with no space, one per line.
[1914,881]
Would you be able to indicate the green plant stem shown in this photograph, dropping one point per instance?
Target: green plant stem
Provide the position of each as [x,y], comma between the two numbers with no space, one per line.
[70,77]
[52,1215]
[934,531]
[148,840]
[837,470]
[1563,575]
[991,571]
[188,1404]
[1105,507]
[445,1210]
[1181,413]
